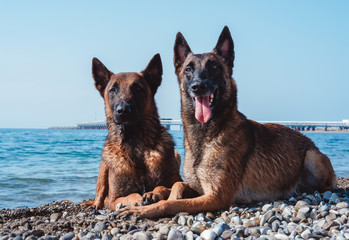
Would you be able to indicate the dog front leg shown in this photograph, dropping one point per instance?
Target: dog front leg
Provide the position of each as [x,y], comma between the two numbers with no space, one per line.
[102,185]
[205,203]
[131,200]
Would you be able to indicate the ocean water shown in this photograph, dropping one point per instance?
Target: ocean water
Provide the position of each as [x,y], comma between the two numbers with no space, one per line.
[44,165]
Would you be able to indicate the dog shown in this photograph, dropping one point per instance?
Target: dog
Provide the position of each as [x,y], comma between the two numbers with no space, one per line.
[228,158]
[139,162]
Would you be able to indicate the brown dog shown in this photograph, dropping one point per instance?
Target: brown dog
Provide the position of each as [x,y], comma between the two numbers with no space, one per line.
[229,158]
[138,154]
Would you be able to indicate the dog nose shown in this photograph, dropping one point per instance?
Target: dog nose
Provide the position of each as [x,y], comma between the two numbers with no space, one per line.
[198,87]
[123,109]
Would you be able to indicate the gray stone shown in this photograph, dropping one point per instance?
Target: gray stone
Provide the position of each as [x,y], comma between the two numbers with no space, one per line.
[254,230]
[327,195]
[190,220]
[268,215]
[267,207]
[208,234]
[306,234]
[301,215]
[250,223]
[227,234]
[295,219]
[300,204]
[220,228]
[67,236]
[281,236]
[175,234]
[272,219]
[234,237]
[38,233]
[114,231]
[54,217]
[100,226]
[275,225]
[334,199]
[182,220]
[101,217]
[197,229]
[287,212]
[165,229]
[31,237]
[236,220]
[264,230]
[140,235]
[330,217]
[304,210]
[48,238]
[189,235]
[106,236]
[293,234]
[342,205]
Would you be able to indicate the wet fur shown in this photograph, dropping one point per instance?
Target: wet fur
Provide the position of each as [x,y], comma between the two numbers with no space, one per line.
[231,158]
[138,154]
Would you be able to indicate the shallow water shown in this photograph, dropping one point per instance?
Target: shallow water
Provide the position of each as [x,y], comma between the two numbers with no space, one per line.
[43,165]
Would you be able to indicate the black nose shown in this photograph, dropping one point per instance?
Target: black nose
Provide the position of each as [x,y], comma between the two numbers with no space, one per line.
[123,109]
[197,87]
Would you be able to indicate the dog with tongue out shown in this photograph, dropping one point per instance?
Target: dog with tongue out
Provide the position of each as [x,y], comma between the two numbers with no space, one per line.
[229,158]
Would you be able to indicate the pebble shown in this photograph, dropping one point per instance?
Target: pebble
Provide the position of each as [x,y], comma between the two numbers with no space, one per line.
[208,235]
[342,205]
[165,229]
[307,216]
[227,234]
[281,236]
[275,225]
[175,234]
[327,195]
[334,199]
[250,223]
[100,226]
[237,220]
[67,236]
[101,217]
[54,217]
[306,234]
[106,236]
[189,235]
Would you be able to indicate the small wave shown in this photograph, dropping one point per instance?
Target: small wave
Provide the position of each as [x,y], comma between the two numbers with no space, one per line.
[33,180]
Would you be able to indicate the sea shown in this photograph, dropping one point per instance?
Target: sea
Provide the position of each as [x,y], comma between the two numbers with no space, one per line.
[38,166]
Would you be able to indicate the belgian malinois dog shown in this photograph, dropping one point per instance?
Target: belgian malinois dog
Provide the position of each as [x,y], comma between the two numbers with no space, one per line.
[229,158]
[138,155]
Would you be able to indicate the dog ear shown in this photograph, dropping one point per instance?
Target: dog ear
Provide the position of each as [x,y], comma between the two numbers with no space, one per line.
[225,47]
[101,75]
[153,72]
[181,51]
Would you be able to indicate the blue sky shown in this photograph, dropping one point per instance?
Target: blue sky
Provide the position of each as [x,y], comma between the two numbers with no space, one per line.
[291,57]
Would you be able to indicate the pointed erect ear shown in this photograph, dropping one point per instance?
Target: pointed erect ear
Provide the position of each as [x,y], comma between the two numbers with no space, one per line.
[225,47]
[153,72]
[101,75]
[181,51]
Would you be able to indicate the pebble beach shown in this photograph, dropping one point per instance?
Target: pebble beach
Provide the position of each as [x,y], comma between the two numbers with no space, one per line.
[307,216]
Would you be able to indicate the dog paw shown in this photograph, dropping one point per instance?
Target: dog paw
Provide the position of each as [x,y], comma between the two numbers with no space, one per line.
[127,212]
[150,198]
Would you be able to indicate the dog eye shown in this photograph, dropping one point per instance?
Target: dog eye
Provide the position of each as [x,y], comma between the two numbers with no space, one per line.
[188,69]
[137,87]
[113,89]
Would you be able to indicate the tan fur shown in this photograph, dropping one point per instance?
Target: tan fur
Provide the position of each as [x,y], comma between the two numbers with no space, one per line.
[139,163]
[230,158]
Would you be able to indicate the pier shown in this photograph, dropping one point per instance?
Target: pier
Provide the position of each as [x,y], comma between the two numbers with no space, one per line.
[296,125]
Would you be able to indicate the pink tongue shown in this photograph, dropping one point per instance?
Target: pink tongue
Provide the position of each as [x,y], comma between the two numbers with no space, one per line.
[202,109]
